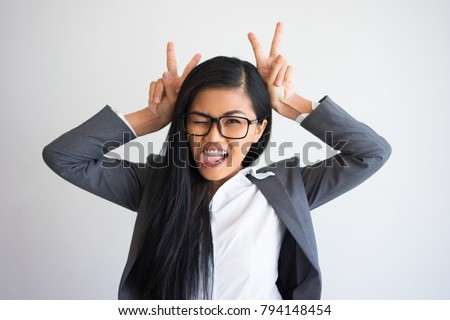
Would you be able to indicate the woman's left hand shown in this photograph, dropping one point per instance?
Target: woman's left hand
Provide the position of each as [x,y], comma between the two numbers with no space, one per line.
[277,75]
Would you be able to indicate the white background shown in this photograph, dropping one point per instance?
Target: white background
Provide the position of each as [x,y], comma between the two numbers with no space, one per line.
[385,62]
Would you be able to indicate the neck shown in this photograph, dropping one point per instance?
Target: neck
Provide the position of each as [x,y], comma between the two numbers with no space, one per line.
[218,183]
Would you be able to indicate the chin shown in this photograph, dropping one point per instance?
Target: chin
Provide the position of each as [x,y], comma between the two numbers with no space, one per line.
[217,173]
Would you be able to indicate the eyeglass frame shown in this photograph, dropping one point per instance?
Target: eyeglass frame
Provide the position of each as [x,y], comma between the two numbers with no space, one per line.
[217,120]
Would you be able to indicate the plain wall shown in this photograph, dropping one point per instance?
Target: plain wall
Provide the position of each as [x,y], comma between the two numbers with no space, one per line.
[385,62]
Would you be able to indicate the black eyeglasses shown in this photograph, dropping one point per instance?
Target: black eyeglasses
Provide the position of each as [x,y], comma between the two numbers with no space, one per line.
[231,127]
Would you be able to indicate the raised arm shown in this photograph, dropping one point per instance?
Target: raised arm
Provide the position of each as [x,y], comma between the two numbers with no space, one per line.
[361,150]
[78,156]
[361,153]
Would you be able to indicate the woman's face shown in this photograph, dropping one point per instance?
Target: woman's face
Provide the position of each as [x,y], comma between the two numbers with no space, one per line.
[219,158]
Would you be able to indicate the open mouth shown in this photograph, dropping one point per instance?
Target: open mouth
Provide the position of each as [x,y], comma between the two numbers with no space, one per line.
[212,156]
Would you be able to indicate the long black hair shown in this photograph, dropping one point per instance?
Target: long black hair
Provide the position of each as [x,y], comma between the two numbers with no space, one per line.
[176,260]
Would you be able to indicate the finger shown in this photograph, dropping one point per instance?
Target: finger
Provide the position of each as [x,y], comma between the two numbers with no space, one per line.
[171,60]
[289,75]
[276,40]
[275,68]
[191,65]
[256,46]
[281,74]
[151,91]
[159,90]
[169,82]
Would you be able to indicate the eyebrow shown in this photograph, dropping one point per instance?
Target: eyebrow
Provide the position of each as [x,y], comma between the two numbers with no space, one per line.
[228,113]
[233,112]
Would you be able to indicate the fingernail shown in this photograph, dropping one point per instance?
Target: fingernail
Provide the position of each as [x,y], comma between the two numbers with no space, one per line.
[278,83]
[156,99]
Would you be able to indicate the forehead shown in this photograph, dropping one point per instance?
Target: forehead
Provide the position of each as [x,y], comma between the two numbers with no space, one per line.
[218,101]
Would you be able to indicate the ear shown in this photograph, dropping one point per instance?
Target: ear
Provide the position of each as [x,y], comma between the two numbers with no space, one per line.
[260,127]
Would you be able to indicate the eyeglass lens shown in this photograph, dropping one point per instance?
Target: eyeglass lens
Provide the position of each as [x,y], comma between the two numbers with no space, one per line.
[230,126]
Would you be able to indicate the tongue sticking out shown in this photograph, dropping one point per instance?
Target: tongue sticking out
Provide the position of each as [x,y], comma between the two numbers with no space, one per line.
[212,155]
[211,160]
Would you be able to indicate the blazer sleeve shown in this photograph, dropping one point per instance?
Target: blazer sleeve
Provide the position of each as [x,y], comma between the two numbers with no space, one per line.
[361,153]
[78,156]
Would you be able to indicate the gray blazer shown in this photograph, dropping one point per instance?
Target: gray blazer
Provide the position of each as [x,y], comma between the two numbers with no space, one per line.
[78,156]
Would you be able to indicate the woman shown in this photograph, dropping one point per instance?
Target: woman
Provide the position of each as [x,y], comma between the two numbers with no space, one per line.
[208,226]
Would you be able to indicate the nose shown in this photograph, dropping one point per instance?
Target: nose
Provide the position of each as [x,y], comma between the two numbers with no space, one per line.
[214,133]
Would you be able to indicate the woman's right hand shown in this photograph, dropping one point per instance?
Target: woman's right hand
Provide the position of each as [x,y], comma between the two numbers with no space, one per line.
[162,96]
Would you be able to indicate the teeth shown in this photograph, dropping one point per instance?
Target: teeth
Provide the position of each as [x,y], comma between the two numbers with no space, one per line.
[215,153]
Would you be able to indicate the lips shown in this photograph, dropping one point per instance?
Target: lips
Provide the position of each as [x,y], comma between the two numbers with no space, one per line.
[212,156]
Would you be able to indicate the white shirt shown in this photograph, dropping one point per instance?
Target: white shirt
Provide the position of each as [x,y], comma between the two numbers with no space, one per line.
[247,236]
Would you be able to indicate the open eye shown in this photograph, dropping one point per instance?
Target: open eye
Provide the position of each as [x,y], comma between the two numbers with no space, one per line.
[233,121]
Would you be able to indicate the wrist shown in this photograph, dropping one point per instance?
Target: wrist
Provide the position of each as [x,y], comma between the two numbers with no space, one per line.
[299,104]
[143,121]
[294,106]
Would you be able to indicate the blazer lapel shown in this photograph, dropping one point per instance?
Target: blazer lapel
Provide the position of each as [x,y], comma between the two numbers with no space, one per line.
[277,195]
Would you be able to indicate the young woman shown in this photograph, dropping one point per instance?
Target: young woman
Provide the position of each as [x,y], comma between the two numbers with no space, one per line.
[209,226]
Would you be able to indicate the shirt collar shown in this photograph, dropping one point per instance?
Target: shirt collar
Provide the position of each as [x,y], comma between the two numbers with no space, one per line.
[259,176]
[235,185]
[241,178]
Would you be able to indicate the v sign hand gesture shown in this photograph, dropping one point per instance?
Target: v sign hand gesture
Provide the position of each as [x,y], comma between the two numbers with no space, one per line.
[162,96]
[278,77]
[163,92]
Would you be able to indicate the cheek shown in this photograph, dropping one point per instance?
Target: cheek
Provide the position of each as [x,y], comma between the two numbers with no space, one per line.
[240,149]
[252,137]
